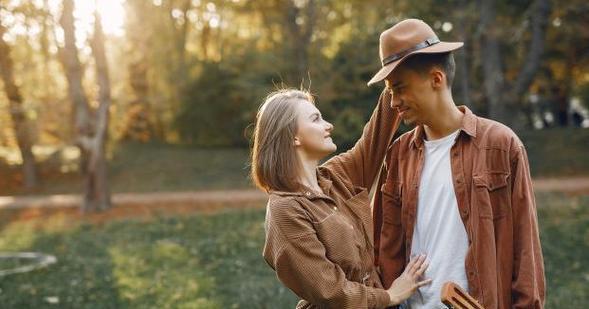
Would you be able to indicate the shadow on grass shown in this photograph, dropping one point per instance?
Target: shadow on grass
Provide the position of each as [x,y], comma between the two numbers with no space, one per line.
[200,261]
[82,278]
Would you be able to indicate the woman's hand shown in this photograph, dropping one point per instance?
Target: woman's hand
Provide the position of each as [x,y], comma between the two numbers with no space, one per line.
[404,286]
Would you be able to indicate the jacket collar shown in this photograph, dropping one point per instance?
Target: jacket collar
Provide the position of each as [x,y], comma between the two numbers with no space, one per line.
[468,126]
[324,182]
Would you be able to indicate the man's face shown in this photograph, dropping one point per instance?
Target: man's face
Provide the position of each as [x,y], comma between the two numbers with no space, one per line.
[413,95]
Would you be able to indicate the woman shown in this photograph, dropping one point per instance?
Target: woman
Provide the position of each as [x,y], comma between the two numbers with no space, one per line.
[318,220]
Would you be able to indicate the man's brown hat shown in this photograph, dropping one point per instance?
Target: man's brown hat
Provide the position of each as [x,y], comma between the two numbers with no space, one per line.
[406,38]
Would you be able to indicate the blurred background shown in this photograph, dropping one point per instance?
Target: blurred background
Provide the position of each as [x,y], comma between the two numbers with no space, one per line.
[125,127]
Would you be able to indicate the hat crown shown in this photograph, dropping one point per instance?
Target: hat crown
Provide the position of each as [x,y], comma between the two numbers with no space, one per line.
[403,36]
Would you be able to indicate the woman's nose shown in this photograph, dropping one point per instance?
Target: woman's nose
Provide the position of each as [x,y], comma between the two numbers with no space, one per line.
[329,126]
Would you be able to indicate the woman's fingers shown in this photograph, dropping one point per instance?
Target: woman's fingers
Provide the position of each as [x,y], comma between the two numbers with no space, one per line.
[415,263]
[422,268]
[424,282]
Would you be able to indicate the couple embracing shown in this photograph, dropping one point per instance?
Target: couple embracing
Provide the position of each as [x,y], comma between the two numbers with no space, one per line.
[453,202]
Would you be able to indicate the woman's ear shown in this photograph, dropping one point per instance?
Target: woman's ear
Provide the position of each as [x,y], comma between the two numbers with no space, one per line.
[296,142]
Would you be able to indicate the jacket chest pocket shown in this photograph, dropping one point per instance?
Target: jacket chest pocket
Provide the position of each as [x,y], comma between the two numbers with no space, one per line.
[492,196]
[338,237]
[391,202]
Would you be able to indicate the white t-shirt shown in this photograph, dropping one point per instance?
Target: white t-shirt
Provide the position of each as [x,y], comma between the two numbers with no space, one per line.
[439,231]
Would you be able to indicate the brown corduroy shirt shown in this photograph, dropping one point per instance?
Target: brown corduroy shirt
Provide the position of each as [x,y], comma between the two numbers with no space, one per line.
[491,177]
[321,245]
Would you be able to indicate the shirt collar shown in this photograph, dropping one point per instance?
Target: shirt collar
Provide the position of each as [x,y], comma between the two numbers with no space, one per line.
[468,126]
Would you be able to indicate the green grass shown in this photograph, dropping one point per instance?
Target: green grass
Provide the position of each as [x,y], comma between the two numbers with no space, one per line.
[146,168]
[557,152]
[564,224]
[214,261]
[206,261]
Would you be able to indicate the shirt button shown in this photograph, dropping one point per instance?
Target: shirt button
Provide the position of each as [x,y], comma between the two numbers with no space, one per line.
[334,208]
[308,193]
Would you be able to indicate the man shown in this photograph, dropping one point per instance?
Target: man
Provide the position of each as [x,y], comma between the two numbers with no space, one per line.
[457,186]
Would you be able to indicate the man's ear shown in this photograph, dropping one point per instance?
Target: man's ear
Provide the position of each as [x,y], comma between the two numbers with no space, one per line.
[438,78]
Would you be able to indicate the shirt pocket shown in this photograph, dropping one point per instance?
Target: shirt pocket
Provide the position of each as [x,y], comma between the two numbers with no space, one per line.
[337,236]
[391,203]
[492,197]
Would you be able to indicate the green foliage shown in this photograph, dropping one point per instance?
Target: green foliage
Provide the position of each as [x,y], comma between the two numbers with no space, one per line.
[210,107]
[221,101]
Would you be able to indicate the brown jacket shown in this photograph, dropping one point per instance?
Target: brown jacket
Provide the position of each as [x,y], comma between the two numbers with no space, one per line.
[504,264]
[320,245]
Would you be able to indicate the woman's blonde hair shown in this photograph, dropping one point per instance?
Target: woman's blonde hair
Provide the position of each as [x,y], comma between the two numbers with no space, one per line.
[275,164]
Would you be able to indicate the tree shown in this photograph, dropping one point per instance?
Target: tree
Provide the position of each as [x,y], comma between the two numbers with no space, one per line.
[97,190]
[20,123]
[90,133]
[503,99]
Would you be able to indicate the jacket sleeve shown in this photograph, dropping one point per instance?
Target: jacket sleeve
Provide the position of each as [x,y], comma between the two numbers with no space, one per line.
[391,245]
[528,284]
[299,259]
[360,165]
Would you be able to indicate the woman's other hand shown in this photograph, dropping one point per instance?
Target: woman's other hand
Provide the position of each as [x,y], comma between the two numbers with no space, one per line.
[404,286]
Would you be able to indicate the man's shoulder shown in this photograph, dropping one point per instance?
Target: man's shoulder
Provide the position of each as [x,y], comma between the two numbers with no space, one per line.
[405,138]
[494,134]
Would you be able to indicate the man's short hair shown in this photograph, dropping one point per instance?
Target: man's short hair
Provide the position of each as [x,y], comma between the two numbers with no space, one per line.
[422,64]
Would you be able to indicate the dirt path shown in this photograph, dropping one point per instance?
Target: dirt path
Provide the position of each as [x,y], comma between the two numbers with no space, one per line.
[573,185]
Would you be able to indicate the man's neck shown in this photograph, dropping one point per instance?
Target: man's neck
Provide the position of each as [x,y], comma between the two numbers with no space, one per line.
[447,119]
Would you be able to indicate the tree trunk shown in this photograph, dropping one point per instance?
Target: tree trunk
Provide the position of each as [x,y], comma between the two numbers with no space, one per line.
[300,33]
[503,101]
[494,83]
[138,119]
[97,188]
[73,70]
[90,133]
[462,71]
[22,128]
[540,14]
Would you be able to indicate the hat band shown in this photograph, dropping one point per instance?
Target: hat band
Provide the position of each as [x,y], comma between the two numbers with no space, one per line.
[394,57]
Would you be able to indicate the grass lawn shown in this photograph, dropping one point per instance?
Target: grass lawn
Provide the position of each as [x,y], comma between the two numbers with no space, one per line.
[214,261]
[164,167]
[197,261]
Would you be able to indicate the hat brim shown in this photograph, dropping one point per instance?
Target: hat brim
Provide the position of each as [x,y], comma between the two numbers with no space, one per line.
[441,47]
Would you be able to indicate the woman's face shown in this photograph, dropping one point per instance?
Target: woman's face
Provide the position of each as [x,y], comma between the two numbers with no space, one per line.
[313,136]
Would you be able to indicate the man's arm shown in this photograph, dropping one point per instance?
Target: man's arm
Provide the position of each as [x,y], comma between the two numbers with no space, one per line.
[528,284]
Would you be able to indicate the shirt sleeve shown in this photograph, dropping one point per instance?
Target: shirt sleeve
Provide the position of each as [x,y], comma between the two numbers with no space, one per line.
[300,262]
[362,163]
[528,284]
